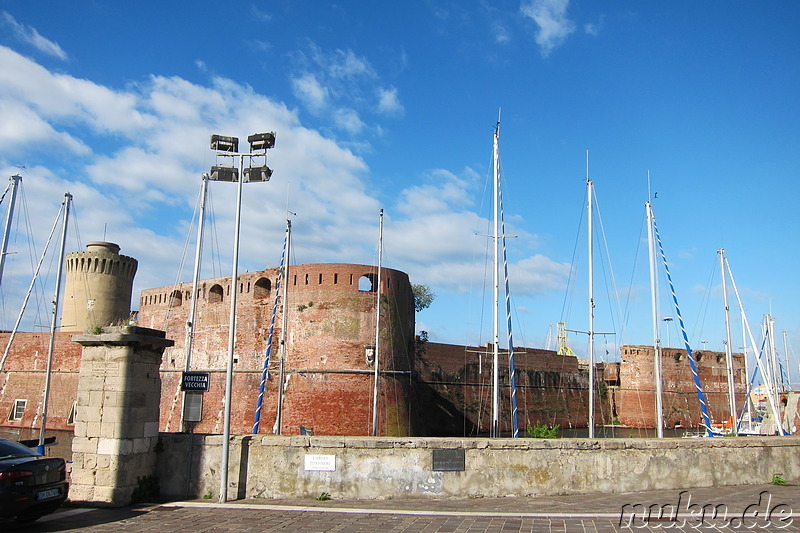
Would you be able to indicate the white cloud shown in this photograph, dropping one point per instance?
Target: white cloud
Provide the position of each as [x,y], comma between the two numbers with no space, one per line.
[501,33]
[142,151]
[348,120]
[388,102]
[342,87]
[30,36]
[309,91]
[551,18]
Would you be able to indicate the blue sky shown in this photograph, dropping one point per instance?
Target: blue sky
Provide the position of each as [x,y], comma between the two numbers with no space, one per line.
[393,106]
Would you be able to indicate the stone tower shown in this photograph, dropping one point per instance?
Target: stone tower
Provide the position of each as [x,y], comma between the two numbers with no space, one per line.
[98,288]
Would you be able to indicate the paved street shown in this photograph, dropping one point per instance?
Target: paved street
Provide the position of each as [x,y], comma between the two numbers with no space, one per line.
[745,508]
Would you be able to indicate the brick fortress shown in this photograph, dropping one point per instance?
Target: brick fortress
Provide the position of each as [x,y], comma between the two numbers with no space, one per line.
[425,388]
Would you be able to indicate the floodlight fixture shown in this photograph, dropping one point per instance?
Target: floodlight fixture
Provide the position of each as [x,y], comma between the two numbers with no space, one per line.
[260,173]
[222,143]
[261,141]
[224,173]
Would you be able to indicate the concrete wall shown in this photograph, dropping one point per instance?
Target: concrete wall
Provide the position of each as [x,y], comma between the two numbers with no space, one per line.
[377,468]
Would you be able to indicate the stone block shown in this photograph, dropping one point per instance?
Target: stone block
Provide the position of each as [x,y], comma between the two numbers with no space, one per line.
[81,492]
[86,445]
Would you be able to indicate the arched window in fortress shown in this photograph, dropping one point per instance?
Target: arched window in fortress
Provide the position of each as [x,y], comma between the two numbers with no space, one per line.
[176,300]
[262,288]
[366,283]
[215,294]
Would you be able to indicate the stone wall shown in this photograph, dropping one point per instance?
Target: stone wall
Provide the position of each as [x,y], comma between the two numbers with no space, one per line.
[116,428]
[378,468]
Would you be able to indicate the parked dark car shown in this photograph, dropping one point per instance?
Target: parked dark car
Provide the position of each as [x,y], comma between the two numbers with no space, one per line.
[30,485]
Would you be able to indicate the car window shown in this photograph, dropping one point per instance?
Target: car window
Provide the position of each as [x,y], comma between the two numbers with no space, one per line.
[14,449]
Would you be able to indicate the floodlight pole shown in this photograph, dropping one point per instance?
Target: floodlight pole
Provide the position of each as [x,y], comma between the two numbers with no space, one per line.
[259,144]
[223,486]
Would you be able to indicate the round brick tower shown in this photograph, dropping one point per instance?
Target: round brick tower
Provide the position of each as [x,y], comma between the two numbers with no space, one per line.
[98,287]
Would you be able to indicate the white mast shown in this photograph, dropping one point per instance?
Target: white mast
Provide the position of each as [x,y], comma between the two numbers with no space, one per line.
[654,309]
[589,195]
[14,182]
[728,349]
[495,432]
[53,321]
[284,322]
[761,367]
[377,330]
[195,281]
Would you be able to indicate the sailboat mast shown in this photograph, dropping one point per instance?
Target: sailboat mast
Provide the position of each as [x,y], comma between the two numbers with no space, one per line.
[728,350]
[377,331]
[53,321]
[195,281]
[284,322]
[764,369]
[589,193]
[496,288]
[651,246]
[14,183]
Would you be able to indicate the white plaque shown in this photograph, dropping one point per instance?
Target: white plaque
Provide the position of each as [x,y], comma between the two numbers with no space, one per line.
[324,463]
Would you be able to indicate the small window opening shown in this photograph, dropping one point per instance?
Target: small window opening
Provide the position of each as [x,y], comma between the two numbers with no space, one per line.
[18,410]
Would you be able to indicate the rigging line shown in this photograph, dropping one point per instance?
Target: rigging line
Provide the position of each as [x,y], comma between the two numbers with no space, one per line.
[616,318]
[573,274]
[700,321]
[740,419]
[700,395]
[636,259]
[182,263]
[25,301]
[216,268]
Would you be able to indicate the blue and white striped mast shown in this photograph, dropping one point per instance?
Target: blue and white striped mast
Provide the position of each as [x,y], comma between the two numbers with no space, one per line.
[689,354]
[512,373]
[270,334]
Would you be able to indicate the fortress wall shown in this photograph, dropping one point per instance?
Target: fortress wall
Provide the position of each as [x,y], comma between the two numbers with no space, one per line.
[24,376]
[635,398]
[330,324]
[377,468]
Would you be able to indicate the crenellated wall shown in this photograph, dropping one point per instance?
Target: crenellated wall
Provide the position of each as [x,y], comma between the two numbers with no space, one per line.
[330,325]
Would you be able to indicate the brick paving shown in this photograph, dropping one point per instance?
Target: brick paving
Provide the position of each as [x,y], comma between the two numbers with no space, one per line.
[743,508]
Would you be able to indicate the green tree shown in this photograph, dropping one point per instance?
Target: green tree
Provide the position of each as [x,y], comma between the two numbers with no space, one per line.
[423,296]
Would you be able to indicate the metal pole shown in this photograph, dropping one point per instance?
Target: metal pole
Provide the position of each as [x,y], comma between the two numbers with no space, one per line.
[377,331]
[223,485]
[591,300]
[15,180]
[654,310]
[728,348]
[195,281]
[53,319]
[495,290]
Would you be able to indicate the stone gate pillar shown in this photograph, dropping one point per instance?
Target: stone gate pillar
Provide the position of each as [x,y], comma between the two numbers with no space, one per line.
[116,420]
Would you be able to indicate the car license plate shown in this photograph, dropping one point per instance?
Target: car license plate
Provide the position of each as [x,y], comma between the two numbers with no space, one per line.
[47,494]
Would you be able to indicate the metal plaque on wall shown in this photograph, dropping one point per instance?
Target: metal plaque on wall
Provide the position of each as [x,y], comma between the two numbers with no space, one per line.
[449,460]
